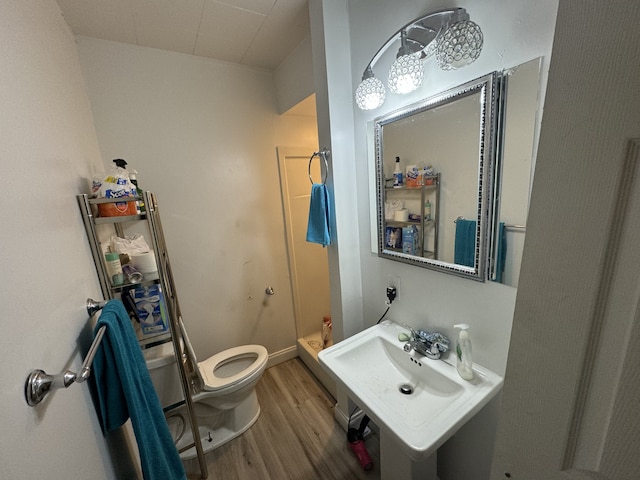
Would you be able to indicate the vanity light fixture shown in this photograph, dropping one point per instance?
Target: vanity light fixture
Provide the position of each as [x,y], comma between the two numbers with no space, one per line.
[449,35]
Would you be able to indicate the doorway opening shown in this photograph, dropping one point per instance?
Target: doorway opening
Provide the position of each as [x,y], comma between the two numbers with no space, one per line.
[308,262]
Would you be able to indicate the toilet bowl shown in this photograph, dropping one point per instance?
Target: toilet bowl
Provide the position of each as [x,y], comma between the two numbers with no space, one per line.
[225,404]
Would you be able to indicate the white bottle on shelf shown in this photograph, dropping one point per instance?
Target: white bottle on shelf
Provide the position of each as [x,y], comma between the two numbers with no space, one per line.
[427,210]
[398,181]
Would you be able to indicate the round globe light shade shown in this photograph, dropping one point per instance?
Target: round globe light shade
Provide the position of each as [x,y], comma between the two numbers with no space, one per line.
[459,45]
[370,94]
[406,73]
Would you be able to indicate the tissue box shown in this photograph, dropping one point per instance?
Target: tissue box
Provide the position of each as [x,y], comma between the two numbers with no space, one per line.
[150,309]
[393,237]
[410,240]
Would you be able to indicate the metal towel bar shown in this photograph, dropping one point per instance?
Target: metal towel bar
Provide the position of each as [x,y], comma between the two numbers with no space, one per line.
[38,383]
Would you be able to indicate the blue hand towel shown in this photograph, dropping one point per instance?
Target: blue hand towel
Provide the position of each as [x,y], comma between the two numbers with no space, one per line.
[501,254]
[124,389]
[465,243]
[318,229]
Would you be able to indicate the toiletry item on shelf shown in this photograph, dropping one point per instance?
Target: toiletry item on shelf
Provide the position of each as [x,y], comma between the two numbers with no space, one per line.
[115,185]
[401,215]
[463,352]
[421,168]
[133,176]
[428,175]
[132,274]
[393,237]
[427,210]
[391,207]
[150,309]
[144,262]
[410,240]
[411,178]
[398,180]
[114,268]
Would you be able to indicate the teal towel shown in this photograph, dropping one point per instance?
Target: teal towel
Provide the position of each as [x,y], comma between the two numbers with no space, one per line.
[125,390]
[465,243]
[501,253]
[318,227]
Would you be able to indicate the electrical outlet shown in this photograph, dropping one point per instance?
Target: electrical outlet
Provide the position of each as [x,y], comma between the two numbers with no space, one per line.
[391,294]
[393,282]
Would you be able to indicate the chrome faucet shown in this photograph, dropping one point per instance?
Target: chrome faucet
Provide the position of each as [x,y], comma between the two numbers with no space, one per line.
[430,345]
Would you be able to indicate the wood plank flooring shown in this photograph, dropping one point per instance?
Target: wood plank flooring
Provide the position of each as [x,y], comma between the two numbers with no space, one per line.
[295,437]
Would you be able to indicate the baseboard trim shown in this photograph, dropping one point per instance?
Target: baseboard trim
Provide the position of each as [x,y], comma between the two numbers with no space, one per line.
[282,356]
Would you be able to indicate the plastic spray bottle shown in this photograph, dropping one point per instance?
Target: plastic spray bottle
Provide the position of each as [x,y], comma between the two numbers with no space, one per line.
[463,352]
[133,176]
[120,163]
[398,181]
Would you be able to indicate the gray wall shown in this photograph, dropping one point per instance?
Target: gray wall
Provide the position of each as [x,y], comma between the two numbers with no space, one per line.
[48,150]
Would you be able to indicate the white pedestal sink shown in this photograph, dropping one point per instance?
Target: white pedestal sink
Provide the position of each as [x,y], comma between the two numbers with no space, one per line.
[418,403]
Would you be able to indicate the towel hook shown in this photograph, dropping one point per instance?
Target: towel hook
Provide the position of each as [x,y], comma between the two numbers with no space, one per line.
[323,155]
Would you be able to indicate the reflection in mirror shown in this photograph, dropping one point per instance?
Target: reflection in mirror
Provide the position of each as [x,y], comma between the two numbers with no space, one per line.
[434,168]
[521,84]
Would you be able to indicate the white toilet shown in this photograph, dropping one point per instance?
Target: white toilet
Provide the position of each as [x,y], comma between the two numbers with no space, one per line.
[225,404]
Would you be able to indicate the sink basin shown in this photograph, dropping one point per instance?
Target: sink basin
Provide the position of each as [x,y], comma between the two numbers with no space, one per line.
[418,401]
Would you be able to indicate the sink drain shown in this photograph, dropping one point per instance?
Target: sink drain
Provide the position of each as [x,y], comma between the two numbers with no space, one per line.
[406,389]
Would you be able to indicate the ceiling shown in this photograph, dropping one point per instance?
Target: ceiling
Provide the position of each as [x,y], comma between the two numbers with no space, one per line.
[258,33]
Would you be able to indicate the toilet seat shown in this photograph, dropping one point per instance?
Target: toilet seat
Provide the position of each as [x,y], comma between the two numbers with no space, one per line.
[251,359]
[207,368]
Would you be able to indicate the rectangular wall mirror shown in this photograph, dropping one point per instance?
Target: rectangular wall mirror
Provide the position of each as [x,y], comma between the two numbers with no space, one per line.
[438,216]
[520,88]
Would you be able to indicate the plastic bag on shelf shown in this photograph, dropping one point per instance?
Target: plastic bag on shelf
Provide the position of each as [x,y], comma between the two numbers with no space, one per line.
[134,245]
[115,184]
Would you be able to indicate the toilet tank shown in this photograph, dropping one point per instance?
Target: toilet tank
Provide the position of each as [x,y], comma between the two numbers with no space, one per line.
[163,369]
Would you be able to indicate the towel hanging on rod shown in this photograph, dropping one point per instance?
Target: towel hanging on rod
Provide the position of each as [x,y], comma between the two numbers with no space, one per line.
[39,383]
[319,222]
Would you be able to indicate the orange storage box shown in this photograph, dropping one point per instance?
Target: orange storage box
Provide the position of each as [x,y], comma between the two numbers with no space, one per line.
[117,209]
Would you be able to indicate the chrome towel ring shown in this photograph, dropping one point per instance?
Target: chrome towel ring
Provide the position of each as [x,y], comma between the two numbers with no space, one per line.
[322,154]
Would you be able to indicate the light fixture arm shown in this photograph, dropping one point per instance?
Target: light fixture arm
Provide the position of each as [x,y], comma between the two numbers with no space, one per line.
[417,34]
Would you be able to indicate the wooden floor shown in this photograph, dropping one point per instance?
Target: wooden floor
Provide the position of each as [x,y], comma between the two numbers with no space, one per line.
[295,437]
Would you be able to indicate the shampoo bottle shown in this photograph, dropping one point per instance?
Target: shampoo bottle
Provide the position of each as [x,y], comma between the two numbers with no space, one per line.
[114,268]
[463,351]
[398,180]
[427,210]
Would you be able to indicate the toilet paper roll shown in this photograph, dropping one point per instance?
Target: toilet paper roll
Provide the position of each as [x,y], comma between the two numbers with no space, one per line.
[401,215]
[144,262]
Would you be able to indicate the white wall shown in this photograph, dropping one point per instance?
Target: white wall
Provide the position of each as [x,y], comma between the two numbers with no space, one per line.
[294,76]
[521,31]
[203,135]
[48,150]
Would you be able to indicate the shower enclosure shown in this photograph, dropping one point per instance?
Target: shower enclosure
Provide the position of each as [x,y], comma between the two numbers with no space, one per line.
[308,263]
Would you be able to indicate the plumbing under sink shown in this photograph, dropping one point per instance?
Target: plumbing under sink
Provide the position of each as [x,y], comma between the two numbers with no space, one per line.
[418,401]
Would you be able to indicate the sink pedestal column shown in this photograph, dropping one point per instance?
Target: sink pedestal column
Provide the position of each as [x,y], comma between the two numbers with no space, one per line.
[395,464]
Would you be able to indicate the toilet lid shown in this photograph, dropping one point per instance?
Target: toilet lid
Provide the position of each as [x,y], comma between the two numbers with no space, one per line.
[232,366]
